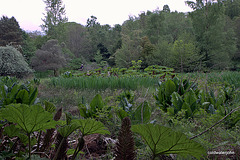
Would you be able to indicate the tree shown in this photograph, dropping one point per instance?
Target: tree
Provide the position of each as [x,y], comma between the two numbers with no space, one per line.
[232,8]
[147,50]
[166,8]
[210,27]
[185,56]
[10,31]
[131,50]
[49,57]
[28,47]
[236,56]
[54,17]
[162,55]
[78,41]
[155,26]
[12,63]
[175,24]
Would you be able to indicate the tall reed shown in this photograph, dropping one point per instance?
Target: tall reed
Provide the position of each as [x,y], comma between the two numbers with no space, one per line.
[101,83]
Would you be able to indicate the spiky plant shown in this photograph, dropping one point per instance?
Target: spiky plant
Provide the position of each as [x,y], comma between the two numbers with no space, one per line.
[48,138]
[125,149]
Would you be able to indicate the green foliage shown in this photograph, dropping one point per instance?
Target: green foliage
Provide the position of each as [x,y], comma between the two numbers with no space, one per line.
[49,57]
[10,32]
[65,131]
[162,55]
[96,108]
[174,95]
[141,114]
[75,63]
[189,104]
[49,107]
[90,126]
[98,57]
[183,98]
[28,118]
[67,74]
[185,56]
[129,51]
[13,63]
[212,30]
[163,140]
[8,81]
[28,47]
[54,17]
[102,83]
[18,94]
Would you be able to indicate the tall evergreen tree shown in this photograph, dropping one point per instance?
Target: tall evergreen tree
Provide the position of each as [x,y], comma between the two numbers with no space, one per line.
[54,18]
[10,32]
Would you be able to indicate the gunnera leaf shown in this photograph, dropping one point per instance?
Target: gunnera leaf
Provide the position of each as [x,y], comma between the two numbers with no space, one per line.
[125,146]
[162,140]
[28,118]
[90,126]
[66,130]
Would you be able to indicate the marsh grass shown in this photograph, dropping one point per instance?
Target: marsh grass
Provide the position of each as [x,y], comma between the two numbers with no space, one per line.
[223,77]
[103,83]
[70,98]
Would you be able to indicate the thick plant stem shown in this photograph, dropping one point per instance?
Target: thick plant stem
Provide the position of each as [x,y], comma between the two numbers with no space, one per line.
[29,145]
[59,147]
[153,157]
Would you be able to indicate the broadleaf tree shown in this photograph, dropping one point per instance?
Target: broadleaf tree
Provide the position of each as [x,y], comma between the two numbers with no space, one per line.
[49,57]
[54,18]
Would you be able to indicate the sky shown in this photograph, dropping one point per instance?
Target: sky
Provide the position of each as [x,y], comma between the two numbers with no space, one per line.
[29,13]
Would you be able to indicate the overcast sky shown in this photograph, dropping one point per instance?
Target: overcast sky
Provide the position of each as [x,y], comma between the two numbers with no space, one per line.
[29,12]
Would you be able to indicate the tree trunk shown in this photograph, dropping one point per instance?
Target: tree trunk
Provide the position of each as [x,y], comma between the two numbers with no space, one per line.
[56,72]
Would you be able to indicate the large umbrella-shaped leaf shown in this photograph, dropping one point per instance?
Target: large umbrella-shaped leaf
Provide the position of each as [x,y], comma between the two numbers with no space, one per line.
[65,131]
[163,140]
[29,118]
[90,126]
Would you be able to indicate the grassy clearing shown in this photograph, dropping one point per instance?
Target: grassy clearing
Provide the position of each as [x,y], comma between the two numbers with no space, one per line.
[70,97]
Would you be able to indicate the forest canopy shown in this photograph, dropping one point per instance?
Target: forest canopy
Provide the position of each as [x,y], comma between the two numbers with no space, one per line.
[205,39]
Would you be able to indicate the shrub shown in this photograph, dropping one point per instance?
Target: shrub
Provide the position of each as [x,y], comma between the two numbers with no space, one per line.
[12,63]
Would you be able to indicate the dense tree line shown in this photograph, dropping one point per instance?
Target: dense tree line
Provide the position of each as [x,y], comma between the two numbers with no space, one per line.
[206,38]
